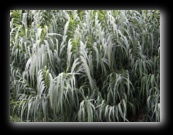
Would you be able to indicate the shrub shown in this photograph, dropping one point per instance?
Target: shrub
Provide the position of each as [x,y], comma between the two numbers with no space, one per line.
[84,66]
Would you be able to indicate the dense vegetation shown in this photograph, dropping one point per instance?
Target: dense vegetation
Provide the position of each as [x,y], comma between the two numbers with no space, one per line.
[84,66]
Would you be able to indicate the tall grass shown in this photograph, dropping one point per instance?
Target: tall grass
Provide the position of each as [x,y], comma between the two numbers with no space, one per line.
[84,65]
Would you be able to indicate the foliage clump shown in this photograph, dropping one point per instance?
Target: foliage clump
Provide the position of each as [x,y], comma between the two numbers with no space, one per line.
[84,66]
